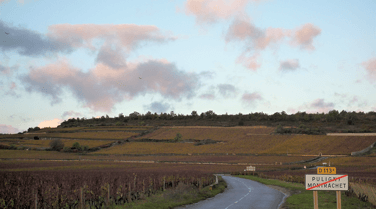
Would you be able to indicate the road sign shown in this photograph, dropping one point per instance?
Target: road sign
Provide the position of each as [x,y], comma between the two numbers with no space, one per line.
[326,170]
[339,182]
[250,168]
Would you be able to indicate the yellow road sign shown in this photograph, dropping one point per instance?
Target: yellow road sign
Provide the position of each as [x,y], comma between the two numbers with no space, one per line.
[326,170]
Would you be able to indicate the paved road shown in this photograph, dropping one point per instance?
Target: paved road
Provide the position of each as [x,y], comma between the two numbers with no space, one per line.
[242,194]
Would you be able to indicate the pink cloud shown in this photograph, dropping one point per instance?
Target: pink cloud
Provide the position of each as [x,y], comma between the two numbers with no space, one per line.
[289,65]
[103,87]
[317,105]
[256,39]
[50,123]
[242,30]
[128,36]
[8,129]
[207,96]
[211,11]
[251,98]
[304,36]
[13,86]
[370,67]
[249,62]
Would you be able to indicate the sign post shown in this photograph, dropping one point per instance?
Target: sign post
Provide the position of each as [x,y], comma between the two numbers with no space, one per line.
[326,179]
[250,168]
[315,200]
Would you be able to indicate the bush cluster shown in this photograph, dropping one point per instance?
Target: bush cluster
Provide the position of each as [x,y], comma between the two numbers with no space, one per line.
[76,147]
[302,129]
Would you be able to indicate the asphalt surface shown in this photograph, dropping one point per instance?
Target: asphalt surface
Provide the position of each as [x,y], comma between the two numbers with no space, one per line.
[242,194]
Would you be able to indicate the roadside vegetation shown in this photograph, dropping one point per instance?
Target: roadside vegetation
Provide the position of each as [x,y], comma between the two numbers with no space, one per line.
[182,195]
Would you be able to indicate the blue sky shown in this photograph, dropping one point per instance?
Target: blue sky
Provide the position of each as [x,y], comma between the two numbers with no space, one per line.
[63,59]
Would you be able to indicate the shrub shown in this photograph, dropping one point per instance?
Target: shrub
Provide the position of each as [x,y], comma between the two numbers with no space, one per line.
[66,149]
[85,148]
[77,146]
[36,138]
[178,137]
[118,123]
[241,123]
[56,144]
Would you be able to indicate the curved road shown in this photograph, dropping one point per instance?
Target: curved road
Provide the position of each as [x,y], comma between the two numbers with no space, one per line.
[242,194]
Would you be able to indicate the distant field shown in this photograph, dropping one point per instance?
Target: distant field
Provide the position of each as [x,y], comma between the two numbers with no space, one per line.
[208,132]
[31,154]
[16,165]
[209,158]
[363,161]
[255,144]
[45,143]
[92,135]
[314,144]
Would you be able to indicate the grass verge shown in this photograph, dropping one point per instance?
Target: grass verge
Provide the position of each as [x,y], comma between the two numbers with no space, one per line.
[301,198]
[181,195]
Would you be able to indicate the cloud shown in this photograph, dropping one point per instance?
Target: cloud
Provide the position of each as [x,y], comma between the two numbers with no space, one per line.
[158,107]
[370,67]
[256,39]
[226,90]
[249,62]
[318,105]
[212,11]
[207,96]
[128,36]
[8,71]
[50,123]
[65,38]
[289,65]
[340,95]
[71,113]
[13,86]
[241,29]
[251,98]
[353,100]
[8,129]
[18,2]
[29,43]
[304,36]
[102,87]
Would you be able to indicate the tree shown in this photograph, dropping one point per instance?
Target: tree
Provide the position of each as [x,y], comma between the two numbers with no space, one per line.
[194,114]
[57,144]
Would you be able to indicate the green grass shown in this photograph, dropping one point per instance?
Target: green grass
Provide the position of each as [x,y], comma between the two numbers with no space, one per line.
[327,199]
[181,195]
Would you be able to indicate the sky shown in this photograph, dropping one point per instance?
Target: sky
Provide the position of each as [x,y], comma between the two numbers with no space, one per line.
[81,58]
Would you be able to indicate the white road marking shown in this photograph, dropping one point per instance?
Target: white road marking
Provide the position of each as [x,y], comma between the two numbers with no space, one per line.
[243,196]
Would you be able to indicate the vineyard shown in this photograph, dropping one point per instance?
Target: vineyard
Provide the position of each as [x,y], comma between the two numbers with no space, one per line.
[45,143]
[91,135]
[259,144]
[88,188]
